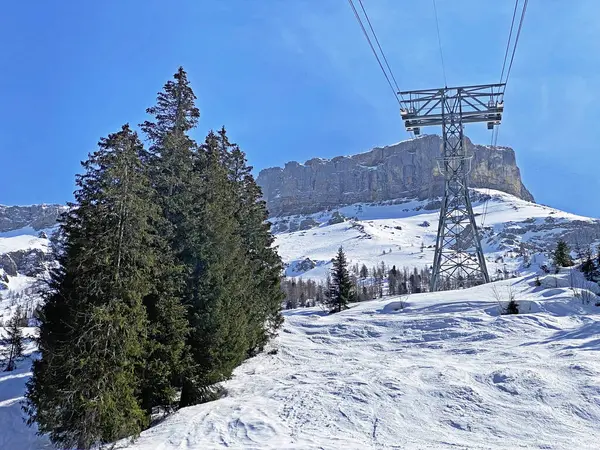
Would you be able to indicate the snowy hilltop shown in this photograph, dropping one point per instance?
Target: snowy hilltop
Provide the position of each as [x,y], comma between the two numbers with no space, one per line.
[515,234]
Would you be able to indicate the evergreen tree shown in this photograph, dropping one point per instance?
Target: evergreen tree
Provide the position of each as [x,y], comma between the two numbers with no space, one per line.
[587,266]
[393,281]
[364,272]
[264,289]
[340,292]
[218,294]
[561,255]
[83,391]
[13,342]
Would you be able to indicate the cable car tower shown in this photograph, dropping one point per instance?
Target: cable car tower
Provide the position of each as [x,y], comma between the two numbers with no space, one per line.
[459,259]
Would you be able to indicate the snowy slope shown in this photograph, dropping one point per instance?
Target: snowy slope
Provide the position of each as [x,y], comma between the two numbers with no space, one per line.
[444,372]
[19,289]
[404,226]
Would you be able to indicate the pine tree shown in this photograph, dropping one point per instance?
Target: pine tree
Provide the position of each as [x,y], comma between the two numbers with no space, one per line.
[340,293]
[13,342]
[218,294]
[83,391]
[261,258]
[364,272]
[393,281]
[561,255]
[169,163]
[587,266]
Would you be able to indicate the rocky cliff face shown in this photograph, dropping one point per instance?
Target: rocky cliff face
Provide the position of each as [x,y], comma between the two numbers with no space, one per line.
[407,169]
[37,217]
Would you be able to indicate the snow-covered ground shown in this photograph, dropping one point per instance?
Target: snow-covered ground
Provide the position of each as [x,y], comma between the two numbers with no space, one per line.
[400,229]
[437,370]
[14,433]
[446,371]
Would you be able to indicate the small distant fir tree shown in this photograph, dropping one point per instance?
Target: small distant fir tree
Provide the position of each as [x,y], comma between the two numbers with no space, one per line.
[561,255]
[341,289]
[12,343]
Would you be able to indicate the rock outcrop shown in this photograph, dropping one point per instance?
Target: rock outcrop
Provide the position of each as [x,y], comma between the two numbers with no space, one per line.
[30,262]
[406,169]
[37,217]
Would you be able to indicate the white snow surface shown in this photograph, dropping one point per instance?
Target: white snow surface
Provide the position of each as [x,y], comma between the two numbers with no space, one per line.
[22,242]
[396,228]
[446,371]
[432,371]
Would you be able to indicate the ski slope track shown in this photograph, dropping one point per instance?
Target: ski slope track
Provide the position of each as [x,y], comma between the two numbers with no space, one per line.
[445,371]
[431,371]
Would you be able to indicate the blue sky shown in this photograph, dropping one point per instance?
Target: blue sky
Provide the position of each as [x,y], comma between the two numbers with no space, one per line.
[292,80]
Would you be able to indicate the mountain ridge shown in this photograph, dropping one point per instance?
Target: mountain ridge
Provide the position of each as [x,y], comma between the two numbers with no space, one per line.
[404,169]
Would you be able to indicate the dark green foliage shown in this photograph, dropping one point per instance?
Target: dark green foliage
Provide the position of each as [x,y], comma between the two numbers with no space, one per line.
[217,295]
[364,272]
[561,256]
[587,266]
[93,326]
[264,290]
[340,292]
[12,343]
[167,280]
[169,164]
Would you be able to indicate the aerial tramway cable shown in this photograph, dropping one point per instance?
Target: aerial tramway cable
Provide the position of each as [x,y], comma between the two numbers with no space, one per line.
[360,22]
[495,130]
[437,26]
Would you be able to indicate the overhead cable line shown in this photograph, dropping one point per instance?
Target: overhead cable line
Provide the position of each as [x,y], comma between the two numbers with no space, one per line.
[437,25]
[496,130]
[360,22]
[379,45]
[516,40]
[512,24]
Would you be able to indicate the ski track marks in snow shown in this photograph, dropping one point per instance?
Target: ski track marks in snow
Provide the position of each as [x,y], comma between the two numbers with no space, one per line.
[444,372]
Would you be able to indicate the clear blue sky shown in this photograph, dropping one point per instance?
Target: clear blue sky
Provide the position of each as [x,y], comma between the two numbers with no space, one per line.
[293,79]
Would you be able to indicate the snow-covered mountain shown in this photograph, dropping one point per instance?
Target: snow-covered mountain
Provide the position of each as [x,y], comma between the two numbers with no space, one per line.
[515,234]
[399,232]
[24,254]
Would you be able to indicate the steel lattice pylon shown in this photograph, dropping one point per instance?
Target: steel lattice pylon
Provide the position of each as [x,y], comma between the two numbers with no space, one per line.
[458,259]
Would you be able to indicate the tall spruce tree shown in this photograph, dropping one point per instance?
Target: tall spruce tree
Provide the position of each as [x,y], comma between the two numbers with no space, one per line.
[261,258]
[340,291]
[170,163]
[219,280]
[83,391]
[12,343]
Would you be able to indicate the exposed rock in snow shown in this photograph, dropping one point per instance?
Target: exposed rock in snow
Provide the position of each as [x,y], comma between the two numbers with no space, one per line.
[8,265]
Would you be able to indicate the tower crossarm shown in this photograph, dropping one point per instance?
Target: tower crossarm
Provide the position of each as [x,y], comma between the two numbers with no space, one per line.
[430,107]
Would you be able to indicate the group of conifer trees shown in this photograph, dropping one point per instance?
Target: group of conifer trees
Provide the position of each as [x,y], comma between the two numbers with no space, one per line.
[167,279]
